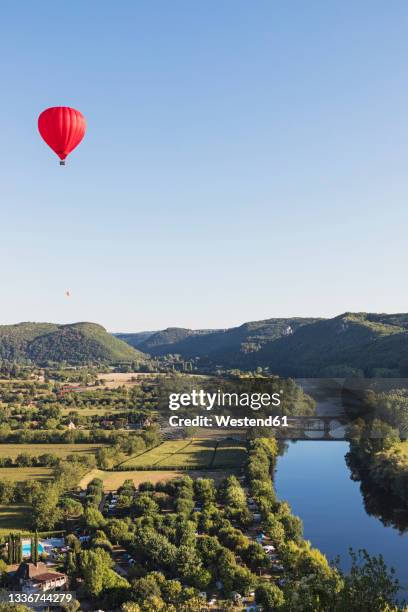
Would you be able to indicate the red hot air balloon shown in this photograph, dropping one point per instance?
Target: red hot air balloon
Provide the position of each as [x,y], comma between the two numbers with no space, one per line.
[62,128]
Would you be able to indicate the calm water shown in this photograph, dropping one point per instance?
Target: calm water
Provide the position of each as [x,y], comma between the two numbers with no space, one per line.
[314,478]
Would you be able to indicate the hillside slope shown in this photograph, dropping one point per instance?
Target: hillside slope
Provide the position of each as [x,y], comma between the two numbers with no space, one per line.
[224,346]
[74,343]
[350,343]
[135,339]
[161,342]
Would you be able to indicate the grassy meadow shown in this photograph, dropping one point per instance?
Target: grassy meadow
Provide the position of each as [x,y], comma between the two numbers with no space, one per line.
[61,450]
[20,474]
[14,517]
[184,454]
[229,454]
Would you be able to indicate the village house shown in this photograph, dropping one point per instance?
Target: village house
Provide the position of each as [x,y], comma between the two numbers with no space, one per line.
[31,577]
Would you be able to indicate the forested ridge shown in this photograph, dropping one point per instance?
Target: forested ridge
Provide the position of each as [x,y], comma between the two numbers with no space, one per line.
[76,343]
[347,345]
[351,344]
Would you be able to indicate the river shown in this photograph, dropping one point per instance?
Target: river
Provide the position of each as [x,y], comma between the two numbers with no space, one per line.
[314,478]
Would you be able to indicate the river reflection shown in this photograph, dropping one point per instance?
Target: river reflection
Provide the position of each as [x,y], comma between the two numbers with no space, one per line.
[377,502]
[315,479]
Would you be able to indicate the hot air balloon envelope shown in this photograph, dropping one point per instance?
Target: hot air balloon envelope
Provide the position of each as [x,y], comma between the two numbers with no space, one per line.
[62,128]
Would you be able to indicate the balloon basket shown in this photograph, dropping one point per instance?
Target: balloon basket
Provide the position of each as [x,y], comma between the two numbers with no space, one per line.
[62,162]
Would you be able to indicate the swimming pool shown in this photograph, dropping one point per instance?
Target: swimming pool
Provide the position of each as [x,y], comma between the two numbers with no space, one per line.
[26,547]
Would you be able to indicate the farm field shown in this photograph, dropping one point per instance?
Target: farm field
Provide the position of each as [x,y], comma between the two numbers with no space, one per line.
[113,480]
[229,453]
[157,454]
[112,380]
[196,453]
[88,410]
[16,474]
[61,450]
[14,517]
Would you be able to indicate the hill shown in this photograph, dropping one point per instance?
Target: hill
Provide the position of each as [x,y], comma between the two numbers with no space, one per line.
[152,342]
[167,340]
[74,343]
[352,343]
[224,346]
[135,339]
[162,342]
[349,344]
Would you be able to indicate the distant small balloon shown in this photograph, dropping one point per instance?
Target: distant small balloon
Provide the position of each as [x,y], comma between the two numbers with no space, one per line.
[68,293]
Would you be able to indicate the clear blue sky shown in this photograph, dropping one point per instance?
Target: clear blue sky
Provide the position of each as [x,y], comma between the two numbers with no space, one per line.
[243,160]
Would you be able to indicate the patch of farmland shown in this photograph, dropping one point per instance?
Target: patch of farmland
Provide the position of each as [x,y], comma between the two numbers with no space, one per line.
[199,453]
[195,453]
[14,517]
[61,450]
[163,453]
[89,410]
[229,454]
[26,473]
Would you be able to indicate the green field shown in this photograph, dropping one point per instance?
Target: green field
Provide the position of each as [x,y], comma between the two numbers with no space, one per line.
[164,452]
[88,410]
[197,453]
[27,473]
[229,454]
[61,450]
[14,517]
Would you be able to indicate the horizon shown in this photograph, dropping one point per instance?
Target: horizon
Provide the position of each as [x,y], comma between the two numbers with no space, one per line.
[214,328]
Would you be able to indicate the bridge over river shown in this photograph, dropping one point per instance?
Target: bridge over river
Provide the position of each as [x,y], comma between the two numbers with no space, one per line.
[330,422]
[315,428]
